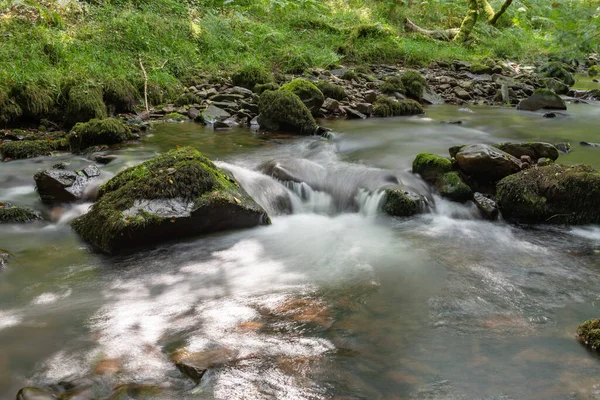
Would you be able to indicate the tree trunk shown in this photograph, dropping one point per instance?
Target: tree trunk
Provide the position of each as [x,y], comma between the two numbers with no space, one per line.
[497,15]
[468,23]
[487,9]
[446,34]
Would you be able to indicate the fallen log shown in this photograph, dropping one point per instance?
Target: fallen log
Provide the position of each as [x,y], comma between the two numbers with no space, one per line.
[444,34]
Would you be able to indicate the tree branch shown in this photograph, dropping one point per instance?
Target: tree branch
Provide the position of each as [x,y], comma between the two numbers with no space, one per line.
[145,84]
[497,15]
[446,34]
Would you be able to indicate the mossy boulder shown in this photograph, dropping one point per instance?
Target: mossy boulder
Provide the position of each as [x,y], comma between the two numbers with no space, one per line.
[259,88]
[18,150]
[350,75]
[430,166]
[12,214]
[385,106]
[557,194]
[414,84]
[535,150]
[187,99]
[556,86]
[401,202]
[485,163]
[452,186]
[96,132]
[589,334]
[594,71]
[331,90]
[176,117]
[177,194]
[282,110]
[559,71]
[391,85]
[542,99]
[480,69]
[84,102]
[250,75]
[310,95]
[120,96]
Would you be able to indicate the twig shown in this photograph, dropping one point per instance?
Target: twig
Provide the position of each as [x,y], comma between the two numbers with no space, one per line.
[559,215]
[163,64]
[145,85]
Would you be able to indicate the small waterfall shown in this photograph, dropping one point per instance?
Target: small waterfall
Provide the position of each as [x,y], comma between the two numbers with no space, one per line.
[307,200]
[369,203]
[453,210]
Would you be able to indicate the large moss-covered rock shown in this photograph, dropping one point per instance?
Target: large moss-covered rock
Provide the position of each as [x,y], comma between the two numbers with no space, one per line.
[451,186]
[557,70]
[485,163]
[18,150]
[331,90]
[385,106]
[589,333]
[180,193]
[430,166]
[96,132]
[310,95]
[391,85]
[542,99]
[556,85]
[535,150]
[12,214]
[594,71]
[552,194]
[283,110]
[414,84]
[401,202]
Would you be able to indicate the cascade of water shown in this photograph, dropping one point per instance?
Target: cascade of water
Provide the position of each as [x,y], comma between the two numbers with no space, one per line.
[369,203]
[307,200]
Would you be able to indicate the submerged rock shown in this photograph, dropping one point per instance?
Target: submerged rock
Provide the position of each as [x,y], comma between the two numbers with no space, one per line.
[283,110]
[12,214]
[178,194]
[535,150]
[195,365]
[401,202]
[485,163]
[557,194]
[542,99]
[62,186]
[589,334]
[33,393]
[486,206]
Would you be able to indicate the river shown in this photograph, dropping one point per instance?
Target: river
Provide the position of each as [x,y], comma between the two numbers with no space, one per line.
[328,302]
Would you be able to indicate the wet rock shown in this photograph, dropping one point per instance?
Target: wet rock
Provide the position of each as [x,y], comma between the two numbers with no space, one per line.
[136,392]
[13,214]
[431,166]
[462,93]
[563,147]
[243,91]
[227,97]
[487,206]
[526,160]
[556,194]
[193,113]
[452,186]
[331,105]
[351,113]
[107,131]
[589,334]
[226,105]
[252,107]
[549,115]
[62,186]
[370,96]
[33,393]
[195,365]
[365,108]
[283,110]
[534,150]
[454,122]
[485,163]
[542,99]
[430,97]
[542,162]
[466,110]
[4,256]
[212,114]
[402,202]
[589,144]
[178,194]
[102,158]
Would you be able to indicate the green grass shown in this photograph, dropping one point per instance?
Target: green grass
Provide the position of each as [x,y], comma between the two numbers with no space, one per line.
[97,43]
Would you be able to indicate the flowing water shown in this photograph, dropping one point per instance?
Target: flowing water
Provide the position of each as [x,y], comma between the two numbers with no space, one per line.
[333,300]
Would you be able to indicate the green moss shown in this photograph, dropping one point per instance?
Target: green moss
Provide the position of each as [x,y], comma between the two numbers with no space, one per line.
[559,71]
[251,75]
[18,150]
[310,95]
[162,90]
[480,68]
[391,85]
[175,117]
[430,166]
[387,107]
[98,132]
[259,88]
[331,90]
[179,174]
[453,187]
[350,75]
[414,84]
[594,71]
[401,203]
[186,99]
[84,103]
[595,93]
[283,110]
[11,214]
[556,85]
[9,109]
[34,100]
[556,194]
[589,333]
[120,95]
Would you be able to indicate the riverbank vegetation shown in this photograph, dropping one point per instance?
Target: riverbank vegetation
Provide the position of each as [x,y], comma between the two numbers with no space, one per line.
[75,55]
